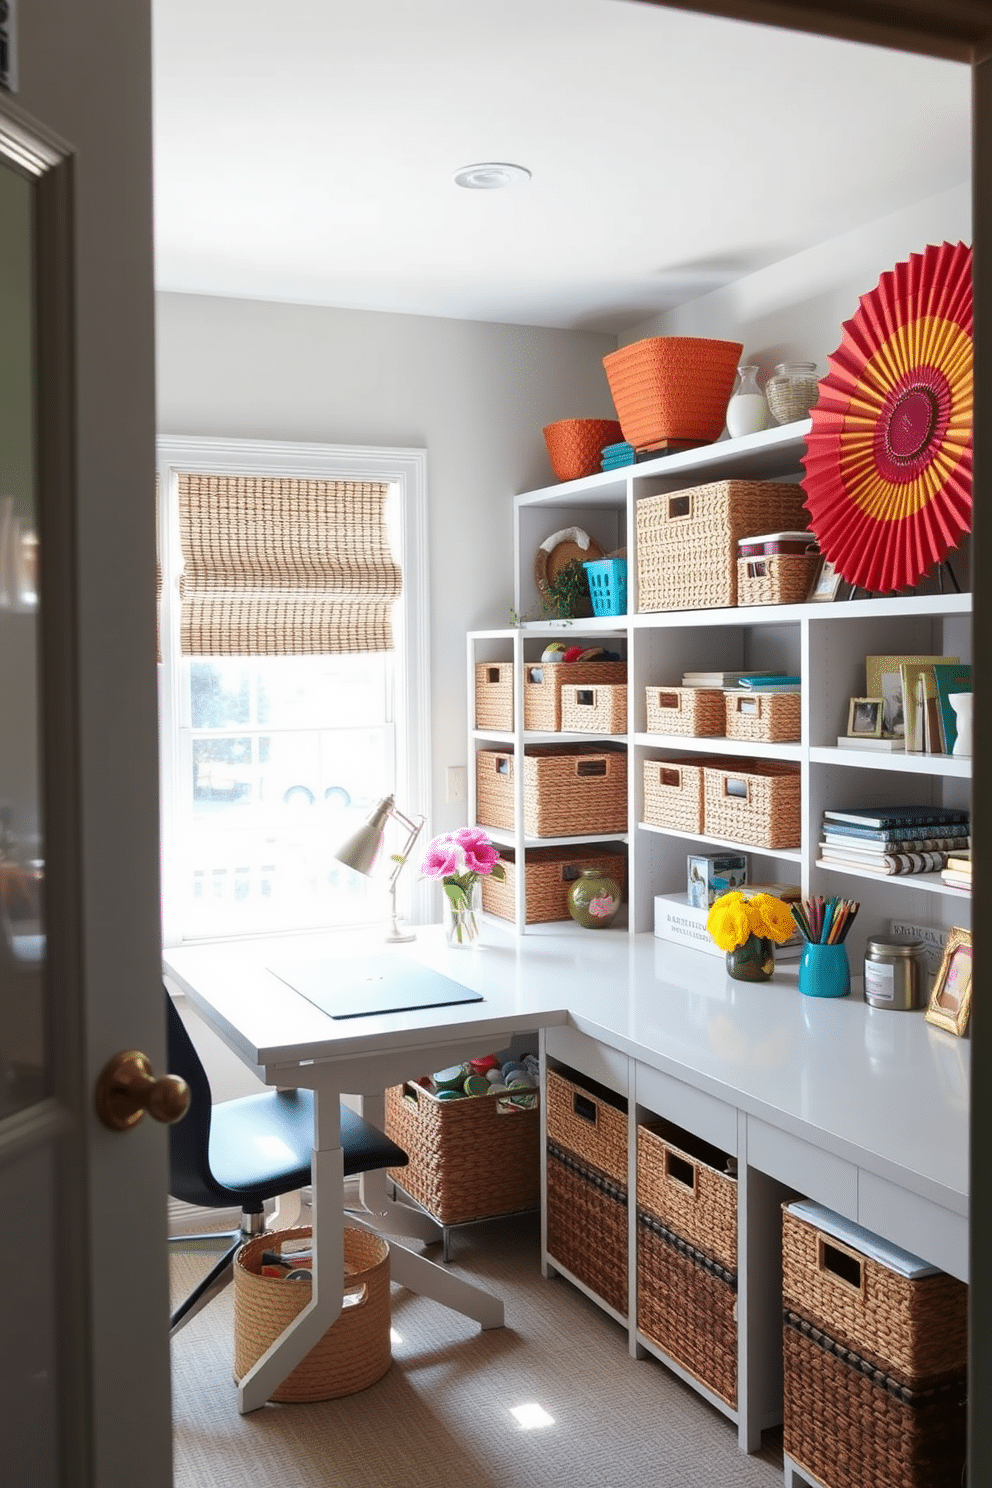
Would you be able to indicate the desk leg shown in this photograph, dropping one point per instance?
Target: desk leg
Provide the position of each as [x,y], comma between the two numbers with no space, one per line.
[324,1307]
[389,1217]
[426,1278]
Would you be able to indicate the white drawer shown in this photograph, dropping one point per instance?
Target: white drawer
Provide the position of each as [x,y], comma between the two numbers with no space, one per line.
[809,1170]
[597,1061]
[692,1109]
[925,1229]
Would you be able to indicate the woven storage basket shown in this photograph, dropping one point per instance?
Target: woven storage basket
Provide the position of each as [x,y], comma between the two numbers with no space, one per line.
[672,388]
[588,1121]
[913,1328]
[587,1226]
[696,711]
[674,791]
[687,1305]
[689,1191]
[687,540]
[599,708]
[543,684]
[353,1353]
[550,873]
[767,717]
[776,578]
[756,802]
[469,1159]
[848,1425]
[569,791]
[575,446]
[494,695]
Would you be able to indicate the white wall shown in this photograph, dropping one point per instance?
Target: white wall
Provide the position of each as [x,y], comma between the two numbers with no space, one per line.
[474,395]
[795,309]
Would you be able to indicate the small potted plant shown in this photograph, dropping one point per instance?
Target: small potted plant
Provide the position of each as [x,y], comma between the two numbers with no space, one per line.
[748,930]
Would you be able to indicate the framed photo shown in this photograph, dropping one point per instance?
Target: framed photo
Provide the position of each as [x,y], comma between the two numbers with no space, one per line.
[864,720]
[950,999]
[883,678]
[827,584]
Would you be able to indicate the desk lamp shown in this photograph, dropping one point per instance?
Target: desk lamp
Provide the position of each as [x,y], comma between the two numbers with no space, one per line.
[361,852]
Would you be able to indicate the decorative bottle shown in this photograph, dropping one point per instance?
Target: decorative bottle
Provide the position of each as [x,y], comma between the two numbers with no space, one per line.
[747,411]
[792,391]
[594,899]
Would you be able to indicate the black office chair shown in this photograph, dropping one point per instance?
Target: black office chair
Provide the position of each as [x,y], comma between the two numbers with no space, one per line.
[244,1151]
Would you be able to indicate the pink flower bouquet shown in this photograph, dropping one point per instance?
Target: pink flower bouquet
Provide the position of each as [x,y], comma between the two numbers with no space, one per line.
[460,859]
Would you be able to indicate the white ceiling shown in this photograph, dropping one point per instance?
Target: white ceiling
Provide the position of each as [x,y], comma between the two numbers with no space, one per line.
[305,151]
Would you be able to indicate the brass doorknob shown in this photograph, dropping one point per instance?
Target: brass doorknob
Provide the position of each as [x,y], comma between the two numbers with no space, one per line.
[127,1089]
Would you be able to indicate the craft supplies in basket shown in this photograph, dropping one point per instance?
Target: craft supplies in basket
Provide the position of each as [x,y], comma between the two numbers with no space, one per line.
[575,446]
[755,802]
[874,1354]
[762,717]
[587,1184]
[543,685]
[550,871]
[353,1353]
[695,711]
[672,391]
[777,568]
[468,1159]
[569,790]
[687,541]
[687,1254]
[608,585]
[597,709]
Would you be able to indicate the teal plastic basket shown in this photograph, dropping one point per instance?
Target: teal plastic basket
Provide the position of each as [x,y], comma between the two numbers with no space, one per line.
[608,585]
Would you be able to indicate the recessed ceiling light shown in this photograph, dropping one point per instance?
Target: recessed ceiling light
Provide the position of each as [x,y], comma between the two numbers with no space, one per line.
[490,175]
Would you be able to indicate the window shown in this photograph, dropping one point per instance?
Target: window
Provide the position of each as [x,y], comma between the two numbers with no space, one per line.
[270,761]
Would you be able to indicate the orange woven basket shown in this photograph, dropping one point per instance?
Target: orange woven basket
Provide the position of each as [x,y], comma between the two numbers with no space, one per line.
[575,446]
[672,389]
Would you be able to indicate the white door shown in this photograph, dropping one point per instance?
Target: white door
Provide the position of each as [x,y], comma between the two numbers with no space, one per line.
[84,1358]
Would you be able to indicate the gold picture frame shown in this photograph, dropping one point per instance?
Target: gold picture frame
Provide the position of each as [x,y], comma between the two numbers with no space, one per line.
[950,999]
[864,718]
[883,678]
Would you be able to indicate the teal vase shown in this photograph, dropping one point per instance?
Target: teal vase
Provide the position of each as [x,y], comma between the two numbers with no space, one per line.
[754,961]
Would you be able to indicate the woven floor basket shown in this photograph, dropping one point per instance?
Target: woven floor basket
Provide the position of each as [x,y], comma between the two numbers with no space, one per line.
[353,1353]
[765,717]
[689,1194]
[766,813]
[672,388]
[569,790]
[687,1305]
[777,578]
[469,1159]
[494,695]
[550,873]
[694,711]
[915,1329]
[687,540]
[585,1120]
[543,686]
[587,1226]
[851,1426]
[575,446]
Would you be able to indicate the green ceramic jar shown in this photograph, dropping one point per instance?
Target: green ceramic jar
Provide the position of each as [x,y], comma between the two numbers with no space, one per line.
[594,899]
[754,961]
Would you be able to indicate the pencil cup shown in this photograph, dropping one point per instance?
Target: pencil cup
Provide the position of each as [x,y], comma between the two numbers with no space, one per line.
[824,970]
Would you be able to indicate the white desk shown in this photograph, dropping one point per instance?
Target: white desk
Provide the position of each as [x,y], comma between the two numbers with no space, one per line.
[861,1108]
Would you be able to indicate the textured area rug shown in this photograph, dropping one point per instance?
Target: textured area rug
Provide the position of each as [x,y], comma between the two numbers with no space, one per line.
[444,1414]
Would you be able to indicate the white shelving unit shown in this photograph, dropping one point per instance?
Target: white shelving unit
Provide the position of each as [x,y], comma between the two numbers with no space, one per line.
[825,643]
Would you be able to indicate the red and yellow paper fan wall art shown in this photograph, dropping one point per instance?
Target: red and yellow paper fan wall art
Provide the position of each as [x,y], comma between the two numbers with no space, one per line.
[889,456]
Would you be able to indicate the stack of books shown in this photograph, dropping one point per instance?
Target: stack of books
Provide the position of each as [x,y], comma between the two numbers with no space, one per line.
[753,681]
[956,872]
[888,840]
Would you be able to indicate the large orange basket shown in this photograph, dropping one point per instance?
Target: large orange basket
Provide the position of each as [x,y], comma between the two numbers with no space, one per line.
[672,390]
[575,446]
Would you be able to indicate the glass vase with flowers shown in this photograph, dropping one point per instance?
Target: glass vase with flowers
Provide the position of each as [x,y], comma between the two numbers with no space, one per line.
[748,930]
[461,860]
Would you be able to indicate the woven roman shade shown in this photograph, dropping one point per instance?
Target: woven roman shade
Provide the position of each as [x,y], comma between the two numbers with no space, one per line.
[284,567]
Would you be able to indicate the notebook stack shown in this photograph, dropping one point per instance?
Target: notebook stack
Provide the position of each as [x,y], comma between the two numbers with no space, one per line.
[889,840]
[956,873]
[616,456]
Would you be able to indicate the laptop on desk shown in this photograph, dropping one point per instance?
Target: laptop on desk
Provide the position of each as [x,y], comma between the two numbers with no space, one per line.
[364,987]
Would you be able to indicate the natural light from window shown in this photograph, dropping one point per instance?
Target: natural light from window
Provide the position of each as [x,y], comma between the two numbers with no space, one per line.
[531,1416]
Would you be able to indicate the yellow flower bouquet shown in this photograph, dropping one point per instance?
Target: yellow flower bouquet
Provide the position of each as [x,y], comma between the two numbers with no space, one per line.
[745,928]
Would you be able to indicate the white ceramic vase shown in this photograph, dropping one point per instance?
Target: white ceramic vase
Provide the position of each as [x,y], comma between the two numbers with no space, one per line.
[961,703]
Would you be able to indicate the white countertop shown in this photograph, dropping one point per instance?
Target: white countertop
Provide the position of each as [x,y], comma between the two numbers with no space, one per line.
[878,1088]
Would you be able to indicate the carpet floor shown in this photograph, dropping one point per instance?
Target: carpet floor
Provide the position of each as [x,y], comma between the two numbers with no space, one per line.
[443,1415]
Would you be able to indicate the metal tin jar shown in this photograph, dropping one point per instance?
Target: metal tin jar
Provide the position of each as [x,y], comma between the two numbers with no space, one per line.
[895,972]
